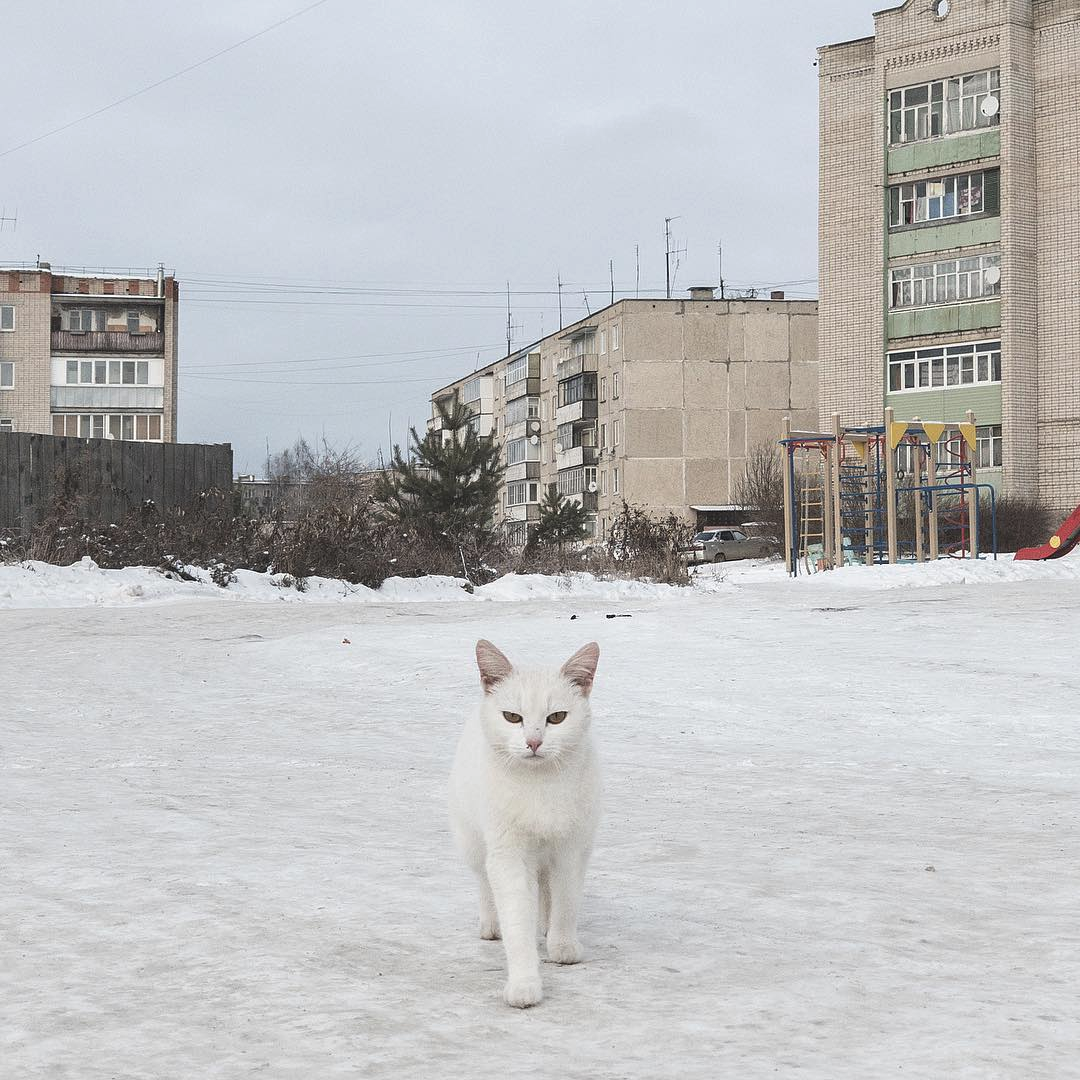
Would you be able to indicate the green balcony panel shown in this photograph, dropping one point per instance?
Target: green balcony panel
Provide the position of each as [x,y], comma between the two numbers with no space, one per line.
[953,150]
[947,319]
[935,238]
[949,404]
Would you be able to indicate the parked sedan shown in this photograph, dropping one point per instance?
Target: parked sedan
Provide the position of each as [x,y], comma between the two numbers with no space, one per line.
[726,545]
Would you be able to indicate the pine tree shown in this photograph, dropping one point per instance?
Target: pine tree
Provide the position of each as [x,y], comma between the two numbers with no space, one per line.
[561,521]
[449,488]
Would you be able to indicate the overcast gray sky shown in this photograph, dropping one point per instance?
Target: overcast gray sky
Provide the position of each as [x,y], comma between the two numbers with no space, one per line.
[345,197]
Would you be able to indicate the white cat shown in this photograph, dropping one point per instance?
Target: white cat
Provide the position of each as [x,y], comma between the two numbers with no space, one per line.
[524,803]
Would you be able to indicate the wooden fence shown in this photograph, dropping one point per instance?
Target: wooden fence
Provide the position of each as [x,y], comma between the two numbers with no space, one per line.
[109,477]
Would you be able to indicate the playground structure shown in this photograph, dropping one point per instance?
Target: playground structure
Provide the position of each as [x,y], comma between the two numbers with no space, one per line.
[901,491]
[1061,543]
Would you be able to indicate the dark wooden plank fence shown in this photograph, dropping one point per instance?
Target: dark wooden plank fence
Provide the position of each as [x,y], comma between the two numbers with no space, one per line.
[110,478]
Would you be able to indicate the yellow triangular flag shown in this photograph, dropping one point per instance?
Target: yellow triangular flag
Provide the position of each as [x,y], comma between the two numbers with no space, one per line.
[968,431]
[897,432]
[933,431]
[860,448]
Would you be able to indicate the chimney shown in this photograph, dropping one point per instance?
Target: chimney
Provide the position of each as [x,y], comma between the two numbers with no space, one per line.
[776,294]
[702,292]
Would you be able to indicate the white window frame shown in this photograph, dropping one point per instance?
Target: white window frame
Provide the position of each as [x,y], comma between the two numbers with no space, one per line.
[115,372]
[603,388]
[108,425]
[614,385]
[7,318]
[615,433]
[6,424]
[603,342]
[944,367]
[516,370]
[615,481]
[938,199]
[988,446]
[945,281]
[943,107]
[7,375]
[614,337]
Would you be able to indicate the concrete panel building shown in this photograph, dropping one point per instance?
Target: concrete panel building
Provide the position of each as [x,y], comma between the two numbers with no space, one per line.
[657,402]
[88,354]
[950,230]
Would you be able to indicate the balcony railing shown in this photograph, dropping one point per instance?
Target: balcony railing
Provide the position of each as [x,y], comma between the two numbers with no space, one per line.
[107,341]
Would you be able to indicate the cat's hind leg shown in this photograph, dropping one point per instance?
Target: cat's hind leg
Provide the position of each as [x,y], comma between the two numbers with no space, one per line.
[489,916]
[545,901]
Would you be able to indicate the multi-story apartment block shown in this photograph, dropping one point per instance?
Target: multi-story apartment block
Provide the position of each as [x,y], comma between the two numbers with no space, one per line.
[950,230]
[86,354]
[656,402]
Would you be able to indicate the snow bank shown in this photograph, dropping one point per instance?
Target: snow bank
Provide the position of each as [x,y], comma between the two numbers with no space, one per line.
[85,584]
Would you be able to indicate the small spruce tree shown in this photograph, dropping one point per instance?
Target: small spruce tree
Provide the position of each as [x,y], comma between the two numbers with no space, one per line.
[448,489]
[561,521]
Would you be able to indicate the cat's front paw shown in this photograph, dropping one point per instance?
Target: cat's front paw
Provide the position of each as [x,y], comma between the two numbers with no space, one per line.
[523,992]
[568,951]
[489,929]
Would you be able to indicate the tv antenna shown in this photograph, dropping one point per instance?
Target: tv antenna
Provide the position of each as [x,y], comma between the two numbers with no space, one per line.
[585,297]
[5,219]
[669,251]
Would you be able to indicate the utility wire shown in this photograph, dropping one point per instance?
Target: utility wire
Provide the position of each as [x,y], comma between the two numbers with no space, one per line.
[161,82]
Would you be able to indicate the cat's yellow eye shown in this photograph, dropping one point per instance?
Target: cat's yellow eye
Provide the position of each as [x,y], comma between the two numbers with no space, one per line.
[556,718]
[514,718]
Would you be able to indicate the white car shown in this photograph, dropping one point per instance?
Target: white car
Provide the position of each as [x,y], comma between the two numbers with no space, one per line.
[725,545]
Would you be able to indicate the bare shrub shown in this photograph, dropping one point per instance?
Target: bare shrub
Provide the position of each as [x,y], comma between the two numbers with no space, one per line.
[1021,522]
[647,547]
[760,489]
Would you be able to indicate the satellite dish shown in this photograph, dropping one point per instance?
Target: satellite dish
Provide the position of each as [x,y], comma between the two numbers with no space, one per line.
[992,275]
[558,448]
[592,487]
[942,8]
[535,439]
[990,106]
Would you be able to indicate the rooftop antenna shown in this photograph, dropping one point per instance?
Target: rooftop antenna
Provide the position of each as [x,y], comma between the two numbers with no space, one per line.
[558,282]
[585,297]
[720,265]
[509,325]
[669,251]
[6,219]
[637,271]
[611,274]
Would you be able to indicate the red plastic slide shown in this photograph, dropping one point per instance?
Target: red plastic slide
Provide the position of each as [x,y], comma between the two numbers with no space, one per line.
[1061,543]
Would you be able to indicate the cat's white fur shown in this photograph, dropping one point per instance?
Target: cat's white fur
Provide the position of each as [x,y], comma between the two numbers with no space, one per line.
[524,803]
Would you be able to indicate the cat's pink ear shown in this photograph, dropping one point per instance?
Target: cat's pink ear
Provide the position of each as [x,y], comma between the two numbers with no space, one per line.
[580,669]
[494,667]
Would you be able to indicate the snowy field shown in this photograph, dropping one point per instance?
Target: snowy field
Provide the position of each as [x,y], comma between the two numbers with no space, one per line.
[841,833]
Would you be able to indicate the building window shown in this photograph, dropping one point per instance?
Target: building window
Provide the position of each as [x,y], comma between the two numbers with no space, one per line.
[945,107]
[83,320]
[944,198]
[614,433]
[615,481]
[137,427]
[7,375]
[522,409]
[521,492]
[517,370]
[988,447]
[603,342]
[580,388]
[603,436]
[950,365]
[603,482]
[519,450]
[615,337]
[615,385]
[577,481]
[583,345]
[603,389]
[7,317]
[113,372]
[7,425]
[473,389]
[554,405]
[947,282]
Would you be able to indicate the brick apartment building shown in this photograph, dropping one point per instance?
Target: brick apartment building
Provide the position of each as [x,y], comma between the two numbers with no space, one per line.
[656,402]
[88,354]
[950,230]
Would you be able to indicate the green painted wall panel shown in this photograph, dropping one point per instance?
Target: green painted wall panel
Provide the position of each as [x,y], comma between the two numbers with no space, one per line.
[943,237]
[948,151]
[944,320]
[949,405]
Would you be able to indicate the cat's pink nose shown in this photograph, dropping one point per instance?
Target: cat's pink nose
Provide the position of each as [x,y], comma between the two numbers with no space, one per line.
[533,744]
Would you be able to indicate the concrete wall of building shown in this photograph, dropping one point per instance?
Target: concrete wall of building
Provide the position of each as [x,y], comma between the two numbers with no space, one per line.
[691,386]
[34,293]
[1036,48]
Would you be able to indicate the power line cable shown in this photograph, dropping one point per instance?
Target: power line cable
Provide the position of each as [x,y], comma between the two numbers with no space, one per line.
[161,82]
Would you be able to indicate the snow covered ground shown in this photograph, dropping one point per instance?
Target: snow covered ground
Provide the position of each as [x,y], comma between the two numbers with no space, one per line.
[841,835]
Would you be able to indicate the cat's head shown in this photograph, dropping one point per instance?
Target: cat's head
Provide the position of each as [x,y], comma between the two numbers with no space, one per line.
[535,715]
